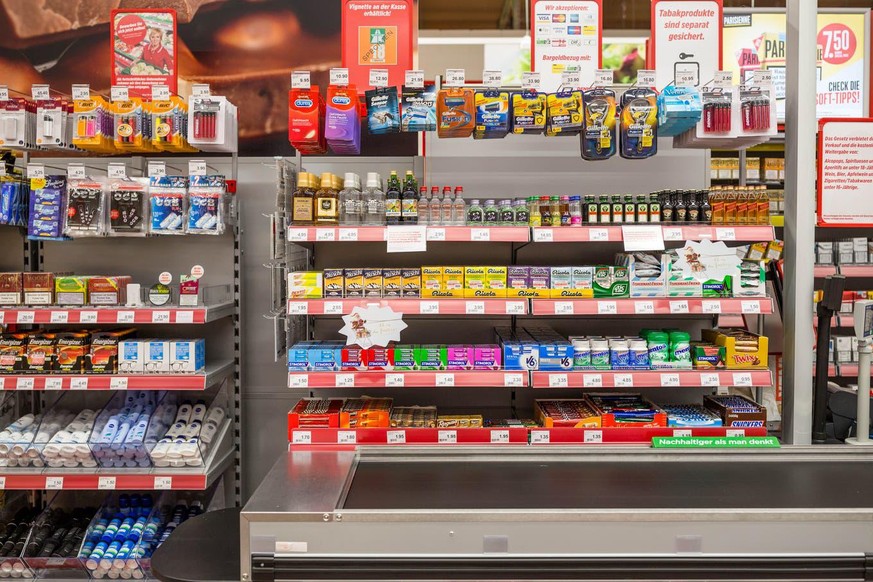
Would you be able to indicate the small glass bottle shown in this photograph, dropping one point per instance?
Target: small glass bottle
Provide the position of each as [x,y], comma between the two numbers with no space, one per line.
[423,206]
[564,205]
[666,208]
[680,208]
[591,210]
[545,211]
[393,188]
[642,204]
[693,208]
[533,209]
[654,208]
[575,211]
[630,209]
[491,213]
[459,208]
[705,208]
[327,201]
[521,215]
[604,210]
[555,209]
[436,207]
[506,213]
[475,213]
[617,210]
[303,201]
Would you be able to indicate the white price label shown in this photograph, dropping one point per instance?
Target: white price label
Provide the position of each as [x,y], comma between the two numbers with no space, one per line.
[185,317]
[2,383]
[725,234]
[681,432]
[157,169]
[396,437]
[455,77]
[81,92]
[298,308]
[116,171]
[298,380]
[762,77]
[492,78]
[592,380]
[106,483]
[35,171]
[711,307]
[624,380]
[671,233]
[447,437]
[160,317]
[564,308]
[2,313]
[378,77]
[558,381]
[685,79]
[709,380]
[346,437]
[414,79]
[301,437]
[513,380]
[163,483]
[160,93]
[429,307]
[25,317]
[445,379]
[24,383]
[325,234]
[54,482]
[723,79]
[571,79]
[125,317]
[339,77]
[118,383]
[117,93]
[598,235]
[646,78]
[436,234]
[87,317]
[499,436]
[742,379]
[735,432]
[540,437]
[300,80]
[644,307]
[531,81]
[197,168]
[751,306]
[2,170]
[543,235]
[345,380]
[603,77]
[4,93]
[75,171]
[679,307]
[395,380]
[54,383]
[516,308]
[348,234]
[297,234]
[475,308]
[669,380]
[40,92]
[333,307]
[79,383]
[592,436]
[2,482]
[200,90]
[480,234]
[607,308]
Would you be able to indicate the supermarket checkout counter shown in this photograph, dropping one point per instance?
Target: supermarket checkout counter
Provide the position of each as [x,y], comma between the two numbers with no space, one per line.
[528,513]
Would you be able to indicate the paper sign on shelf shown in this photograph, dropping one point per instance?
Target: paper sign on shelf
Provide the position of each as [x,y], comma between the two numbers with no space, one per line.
[707,260]
[649,237]
[372,326]
[407,239]
[566,35]
[686,41]
[845,173]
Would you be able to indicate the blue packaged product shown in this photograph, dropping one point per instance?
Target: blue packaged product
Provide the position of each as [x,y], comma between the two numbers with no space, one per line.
[383,110]
[167,202]
[599,119]
[47,209]
[8,202]
[690,415]
[679,109]
[325,357]
[298,356]
[492,114]
[639,123]
[206,205]
[528,112]
[418,111]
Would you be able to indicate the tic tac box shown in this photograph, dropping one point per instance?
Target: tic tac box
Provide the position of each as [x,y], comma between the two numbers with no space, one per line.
[131,358]
[611,281]
[187,356]
[157,356]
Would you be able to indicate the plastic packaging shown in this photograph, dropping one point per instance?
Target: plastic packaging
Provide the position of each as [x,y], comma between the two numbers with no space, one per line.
[639,123]
[342,123]
[455,112]
[206,205]
[658,343]
[167,204]
[598,135]
[306,121]
[528,112]
[418,109]
[127,207]
[492,114]
[86,208]
[48,205]
[383,110]
[564,113]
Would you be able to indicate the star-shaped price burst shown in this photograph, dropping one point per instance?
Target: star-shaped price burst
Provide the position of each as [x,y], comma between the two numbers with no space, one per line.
[372,326]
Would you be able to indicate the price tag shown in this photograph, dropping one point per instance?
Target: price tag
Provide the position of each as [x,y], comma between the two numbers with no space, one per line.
[325,234]
[333,307]
[762,77]
[35,171]
[2,313]
[513,380]
[396,437]
[623,380]
[184,317]
[644,307]
[543,235]
[378,77]
[564,308]
[2,169]
[607,308]
[298,308]
[711,380]
[558,381]
[116,171]
[81,92]
[646,78]
[160,317]
[499,436]
[395,380]
[742,379]
[669,380]
[200,90]
[163,483]
[711,307]
[725,234]
[672,233]
[118,383]
[455,77]
[681,432]
[603,77]
[79,383]
[540,437]
[723,79]
[492,78]
[447,437]
[345,380]
[679,307]
[76,171]
[301,437]
[571,79]
[735,432]
[2,383]
[480,234]
[436,234]
[339,77]
[24,383]
[592,437]
[54,383]
[414,79]
[106,483]
[157,169]
[117,93]
[25,317]
[598,235]
[685,79]
[300,80]
[87,317]
[445,379]
[592,380]
[297,234]
[531,81]
[751,306]
[475,308]
[298,380]
[516,308]
[125,317]
[54,482]
[348,234]
[40,92]
[2,482]
[197,168]
[4,93]
[346,437]
[429,307]
[160,93]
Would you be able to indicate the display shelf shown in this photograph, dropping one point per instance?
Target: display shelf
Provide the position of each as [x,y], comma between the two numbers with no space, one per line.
[215,372]
[652,306]
[848,370]
[433,234]
[378,379]
[651,378]
[58,315]
[856,271]
[612,435]
[401,436]
[672,232]
[412,306]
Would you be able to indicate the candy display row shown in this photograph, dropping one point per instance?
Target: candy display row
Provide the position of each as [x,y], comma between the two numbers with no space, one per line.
[51,289]
[330,356]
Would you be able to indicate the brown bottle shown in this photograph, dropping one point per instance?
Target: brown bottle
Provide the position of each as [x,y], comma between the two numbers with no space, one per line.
[327,201]
[303,201]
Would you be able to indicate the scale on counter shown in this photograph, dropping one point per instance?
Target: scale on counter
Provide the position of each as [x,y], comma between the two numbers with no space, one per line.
[864,332]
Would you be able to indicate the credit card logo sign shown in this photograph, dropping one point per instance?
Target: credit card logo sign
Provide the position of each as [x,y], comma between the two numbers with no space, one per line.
[558,18]
[574,30]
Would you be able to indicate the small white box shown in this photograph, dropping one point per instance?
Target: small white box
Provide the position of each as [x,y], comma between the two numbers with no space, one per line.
[156,357]
[187,356]
[130,357]
[844,357]
[844,343]
[846,258]
[861,257]
[859,244]
[845,246]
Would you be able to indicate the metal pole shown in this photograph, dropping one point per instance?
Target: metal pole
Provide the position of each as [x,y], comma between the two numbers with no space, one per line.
[800,134]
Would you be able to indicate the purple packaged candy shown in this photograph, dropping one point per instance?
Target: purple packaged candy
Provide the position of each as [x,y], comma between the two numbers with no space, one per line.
[518,277]
[540,277]
[459,357]
[486,357]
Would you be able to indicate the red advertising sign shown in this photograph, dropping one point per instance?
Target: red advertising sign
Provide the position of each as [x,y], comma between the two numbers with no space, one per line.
[378,35]
[845,172]
[686,41]
[144,50]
